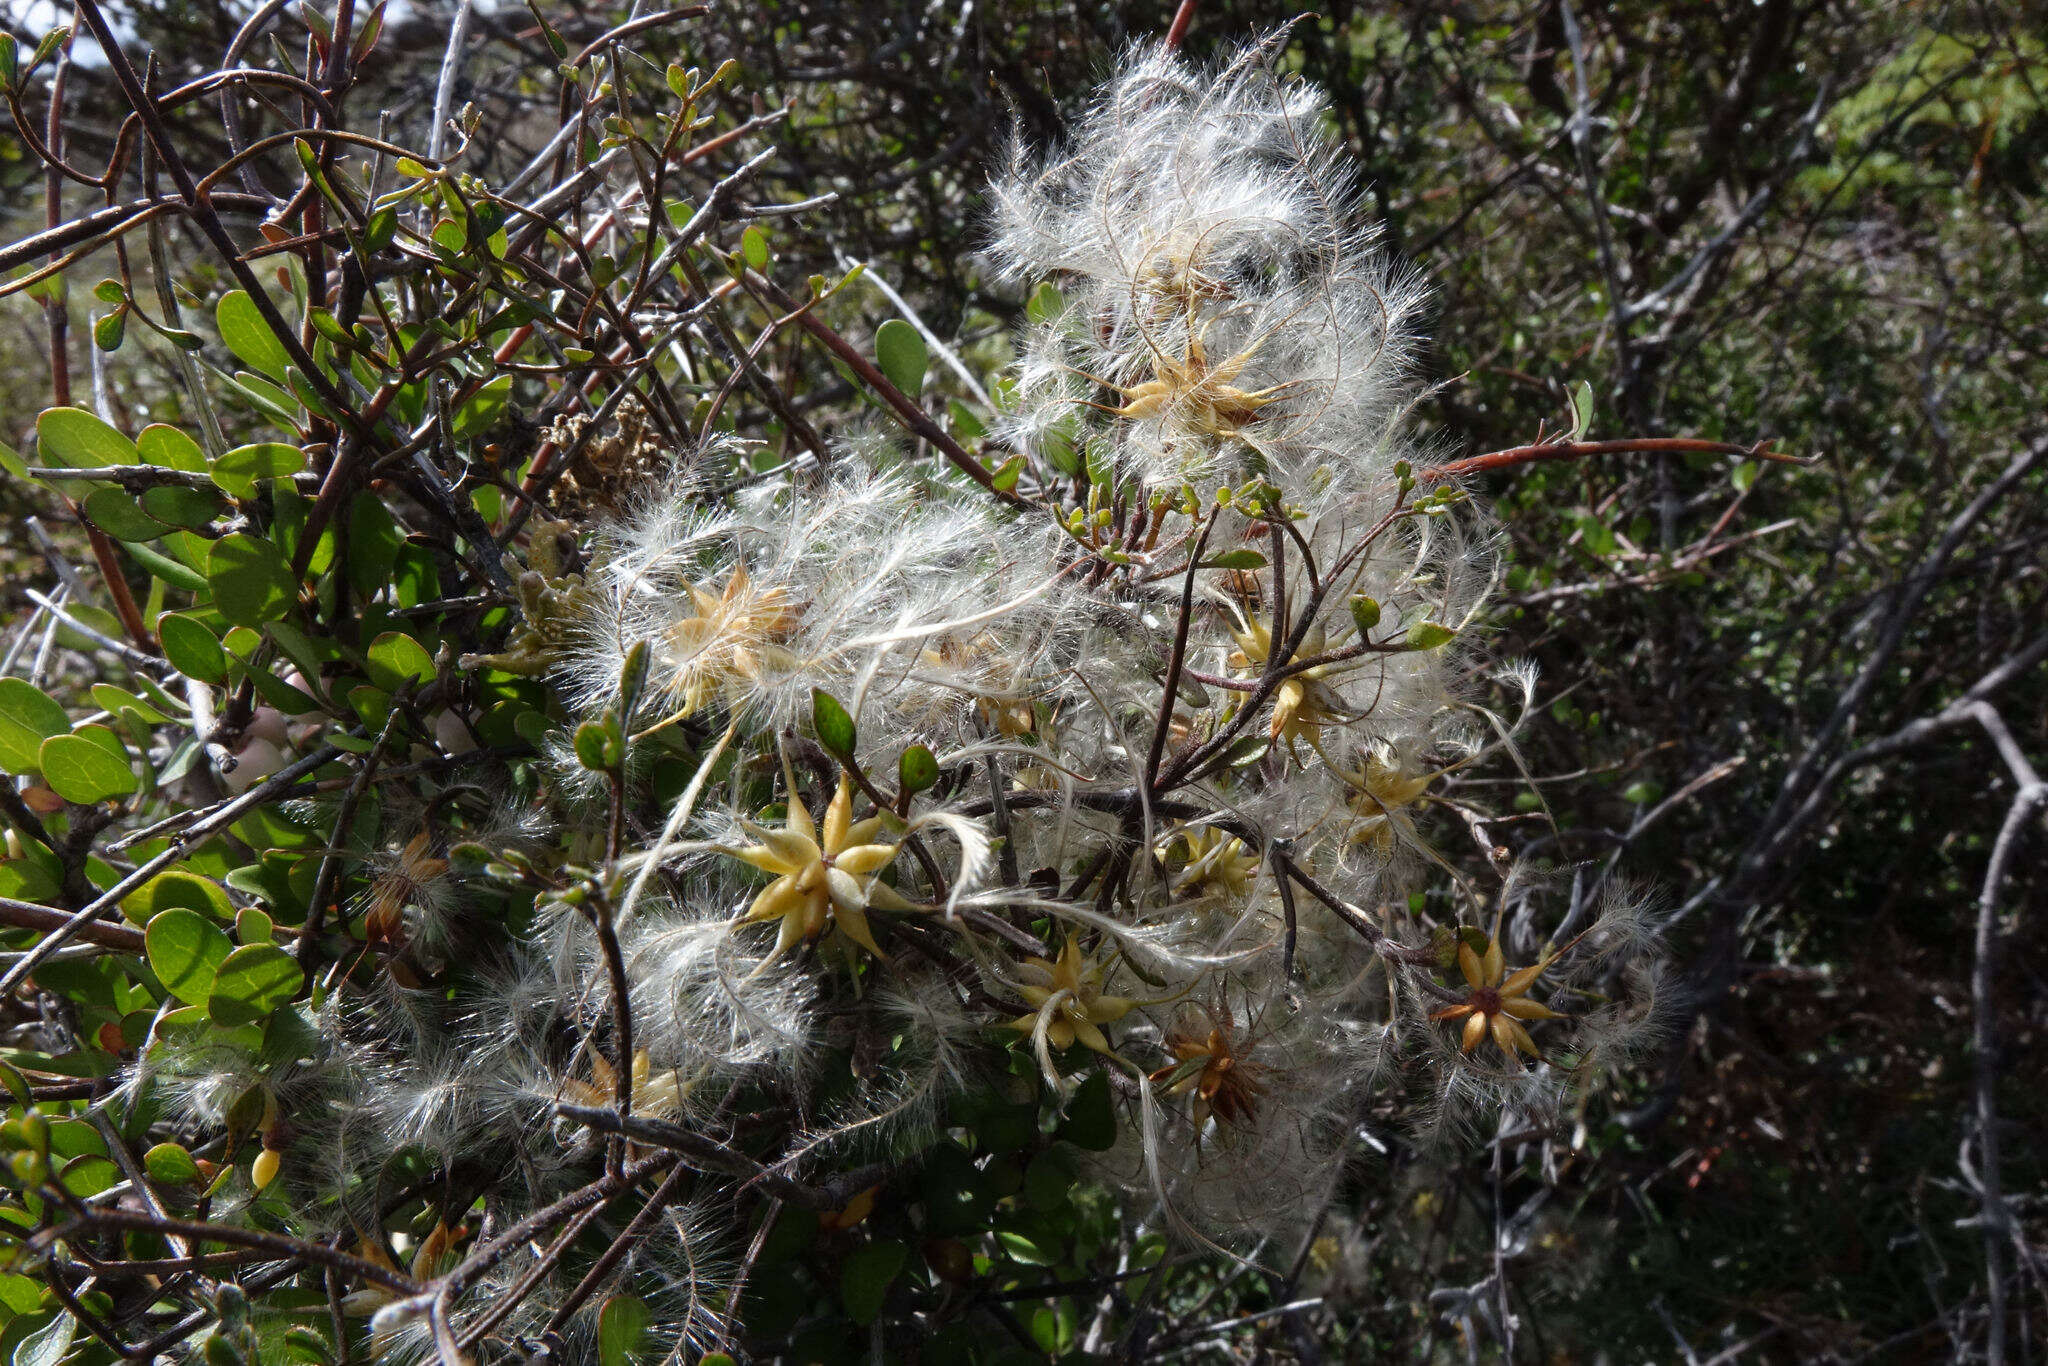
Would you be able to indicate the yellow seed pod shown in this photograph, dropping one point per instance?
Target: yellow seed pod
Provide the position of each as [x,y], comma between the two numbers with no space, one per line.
[265,1171]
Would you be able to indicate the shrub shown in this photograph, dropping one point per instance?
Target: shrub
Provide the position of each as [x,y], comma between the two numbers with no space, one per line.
[569,837]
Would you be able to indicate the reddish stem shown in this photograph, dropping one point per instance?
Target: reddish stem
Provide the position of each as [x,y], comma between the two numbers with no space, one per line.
[1578,450]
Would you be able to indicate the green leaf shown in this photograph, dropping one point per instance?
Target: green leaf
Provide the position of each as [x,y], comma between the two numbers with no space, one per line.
[185,950]
[51,41]
[28,716]
[74,437]
[307,1347]
[90,616]
[1641,794]
[834,727]
[1091,1120]
[754,247]
[865,1278]
[396,658]
[1023,1249]
[177,889]
[1427,635]
[162,566]
[378,232]
[1049,1180]
[1744,475]
[238,470]
[10,60]
[266,398]
[596,749]
[481,409]
[451,237]
[371,705]
[88,766]
[107,697]
[559,44]
[373,544]
[192,647]
[900,351]
[168,1164]
[48,1345]
[286,698]
[1582,410]
[1365,613]
[1101,462]
[253,926]
[250,582]
[88,1175]
[1046,304]
[170,448]
[1235,559]
[248,336]
[110,329]
[622,1329]
[252,982]
[633,680]
[118,514]
[917,769]
[181,507]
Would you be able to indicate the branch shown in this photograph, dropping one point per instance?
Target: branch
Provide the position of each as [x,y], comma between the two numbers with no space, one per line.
[913,416]
[1580,450]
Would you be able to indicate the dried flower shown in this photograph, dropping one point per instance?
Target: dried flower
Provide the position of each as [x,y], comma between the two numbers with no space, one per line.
[823,876]
[1496,1002]
[1218,863]
[1069,1005]
[1225,1083]
[731,637]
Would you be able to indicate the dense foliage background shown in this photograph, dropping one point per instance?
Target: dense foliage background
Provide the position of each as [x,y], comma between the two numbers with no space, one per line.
[1799,703]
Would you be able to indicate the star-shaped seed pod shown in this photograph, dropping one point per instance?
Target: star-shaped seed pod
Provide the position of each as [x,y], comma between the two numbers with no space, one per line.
[1218,863]
[1214,1067]
[729,637]
[1304,703]
[1497,1003]
[1199,396]
[1383,788]
[1066,993]
[825,875]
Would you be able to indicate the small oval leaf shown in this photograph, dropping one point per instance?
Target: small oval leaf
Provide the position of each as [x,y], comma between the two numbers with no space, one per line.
[192,647]
[238,470]
[169,1164]
[251,982]
[248,336]
[1365,613]
[1428,635]
[835,728]
[185,949]
[116,512]
[396,658]
[86,768]
[917,769]
[74,437]
[28,716]
[865,1278]
[250,582]
[900,352]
